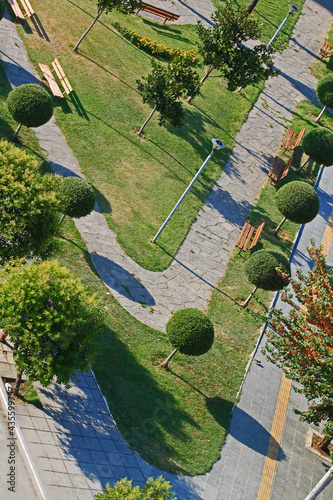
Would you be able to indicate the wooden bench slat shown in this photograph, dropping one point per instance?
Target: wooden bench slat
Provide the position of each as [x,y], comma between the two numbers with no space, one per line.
[257,235]
[326,49]
[55,89]
[62,77]
[168,16]
[288,140]
[276,169]
[246,235]
[247,241]
[299,138]
[28,9]
[16,9]
[243,234]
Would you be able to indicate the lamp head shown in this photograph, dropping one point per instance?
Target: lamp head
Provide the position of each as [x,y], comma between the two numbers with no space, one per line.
[217,144]
[292,8]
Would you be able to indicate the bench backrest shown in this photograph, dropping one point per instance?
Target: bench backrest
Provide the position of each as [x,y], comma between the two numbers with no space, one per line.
[62,77]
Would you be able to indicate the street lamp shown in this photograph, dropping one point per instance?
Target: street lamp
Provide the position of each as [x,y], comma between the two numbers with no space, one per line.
[292,9]
[216,145]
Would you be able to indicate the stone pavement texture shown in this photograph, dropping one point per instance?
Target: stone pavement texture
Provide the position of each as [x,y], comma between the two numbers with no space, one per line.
[74,441]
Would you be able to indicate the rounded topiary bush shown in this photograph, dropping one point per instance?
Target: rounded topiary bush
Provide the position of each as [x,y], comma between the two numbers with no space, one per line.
[77,197]
[318,144]
[324,90]
[2,8]
[30,105]
[297,201]
[190,331]
[261,270]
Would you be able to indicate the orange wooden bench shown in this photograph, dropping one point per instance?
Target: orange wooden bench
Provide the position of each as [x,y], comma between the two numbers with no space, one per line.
[288,140]
[168,16]
[27,7]
[279,169]
[53,84]
[299,138]
[326,49]
[246,235]
[16,9]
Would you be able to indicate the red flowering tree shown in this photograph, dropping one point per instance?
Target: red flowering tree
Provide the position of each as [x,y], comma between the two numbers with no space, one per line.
[301,342]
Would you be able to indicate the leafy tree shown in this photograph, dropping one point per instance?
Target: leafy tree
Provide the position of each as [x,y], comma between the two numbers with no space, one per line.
[2,8]
[251,5]
[30,105]
[157,489]
[298,202]
[301,342]
[262,271]
[163,88]
[124,6]
[318,145]
[191,332]
[76,197]
[222,48]
[50,318]
[29,205]
[324,91]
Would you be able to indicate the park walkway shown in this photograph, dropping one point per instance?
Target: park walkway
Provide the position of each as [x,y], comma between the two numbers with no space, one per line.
[73,440]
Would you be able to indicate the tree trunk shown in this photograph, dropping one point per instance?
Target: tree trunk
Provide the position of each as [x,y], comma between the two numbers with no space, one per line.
[99,12]
[145,123]
[208,72]
[166,362]
[18,382]
[251,5]
[321,114]
[62,218]
[276,230]
[16,132]
[303,165]
[245,303]
[322,445]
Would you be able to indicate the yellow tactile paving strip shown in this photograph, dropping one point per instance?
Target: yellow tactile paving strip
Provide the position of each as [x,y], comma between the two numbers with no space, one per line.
[268,474]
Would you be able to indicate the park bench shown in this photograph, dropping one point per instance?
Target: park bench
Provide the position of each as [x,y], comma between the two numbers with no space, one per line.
[246,234]
[18,11]
[326,49]
[53,84]
[299,138]
[288,141]
[168,16]
[279,169]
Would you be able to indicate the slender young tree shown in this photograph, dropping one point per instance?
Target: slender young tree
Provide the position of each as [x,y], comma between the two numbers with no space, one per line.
[124,6]
[164,87]
[251,5]
[318,145]
[222,48]
[51,319]
[324,91]
[301,342]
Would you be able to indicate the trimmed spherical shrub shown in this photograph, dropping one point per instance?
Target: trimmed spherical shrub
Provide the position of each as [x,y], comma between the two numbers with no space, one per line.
[298,202]
[324,90]
[30,104]
[2,8]
[190,331]
[261,270]
[318,144]
[77,197]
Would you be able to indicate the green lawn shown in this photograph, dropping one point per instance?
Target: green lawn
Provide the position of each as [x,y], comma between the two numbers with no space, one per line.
[137,180]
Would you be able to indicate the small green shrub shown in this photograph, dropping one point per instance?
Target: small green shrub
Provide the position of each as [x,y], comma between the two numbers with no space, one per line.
[318,144]
[30,104]
[298,201]
[325,90]
[190,331]
[77,197]
[261,270]
[157,489]
[2,8]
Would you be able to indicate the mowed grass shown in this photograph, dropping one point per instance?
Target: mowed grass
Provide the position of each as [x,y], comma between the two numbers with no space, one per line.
[137,181]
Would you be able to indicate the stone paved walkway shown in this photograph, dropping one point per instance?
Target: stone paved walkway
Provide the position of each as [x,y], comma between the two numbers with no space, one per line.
[74,441]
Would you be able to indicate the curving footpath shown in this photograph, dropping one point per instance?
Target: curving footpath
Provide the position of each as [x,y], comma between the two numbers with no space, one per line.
[73,441]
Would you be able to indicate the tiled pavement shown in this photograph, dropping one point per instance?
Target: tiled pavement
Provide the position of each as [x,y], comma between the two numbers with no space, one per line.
[74,441]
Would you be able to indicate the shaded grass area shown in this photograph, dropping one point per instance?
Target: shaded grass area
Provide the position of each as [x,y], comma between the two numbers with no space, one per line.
[137,181]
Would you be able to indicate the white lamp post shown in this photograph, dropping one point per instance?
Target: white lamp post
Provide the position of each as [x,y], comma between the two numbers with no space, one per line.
[216,145]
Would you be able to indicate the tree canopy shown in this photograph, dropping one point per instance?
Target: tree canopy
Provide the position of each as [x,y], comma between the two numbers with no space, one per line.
[29,205]
[222,48]
[324,91]
[51,319]
[157,489]
[301,341]
[76,197]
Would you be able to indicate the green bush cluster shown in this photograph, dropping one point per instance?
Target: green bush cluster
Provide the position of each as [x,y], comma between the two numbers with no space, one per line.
[2,8]
[261,270]
[318,144]
[157,489]
[30,104]
[190,331]
[324,90]
[298,202]
[157,49]
[77,197]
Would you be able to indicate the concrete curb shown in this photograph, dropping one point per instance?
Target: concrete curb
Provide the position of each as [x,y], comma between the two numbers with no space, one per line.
[23,445]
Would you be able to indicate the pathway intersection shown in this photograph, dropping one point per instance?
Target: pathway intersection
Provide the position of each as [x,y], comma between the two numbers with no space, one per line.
[73,441]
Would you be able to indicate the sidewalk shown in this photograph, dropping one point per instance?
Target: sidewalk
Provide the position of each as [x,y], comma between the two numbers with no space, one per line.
[74,441]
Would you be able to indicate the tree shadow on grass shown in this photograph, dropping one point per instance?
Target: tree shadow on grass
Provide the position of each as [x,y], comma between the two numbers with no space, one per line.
[16,73]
